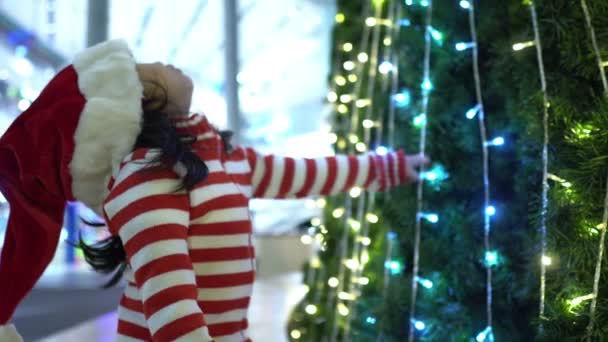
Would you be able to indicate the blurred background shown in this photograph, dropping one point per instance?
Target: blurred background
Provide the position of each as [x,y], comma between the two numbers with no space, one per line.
[259,68]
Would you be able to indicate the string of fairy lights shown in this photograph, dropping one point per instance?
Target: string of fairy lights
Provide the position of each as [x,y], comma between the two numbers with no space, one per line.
[366,201]
[491,256]
[357,261]
[356,104]
[414,323]
[344,104]
[363,217]
[315,235]
[391,37]
[396,98]
[545,260]
[596,279]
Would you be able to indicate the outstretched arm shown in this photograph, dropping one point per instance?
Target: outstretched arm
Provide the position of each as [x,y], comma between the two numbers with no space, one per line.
[284,177]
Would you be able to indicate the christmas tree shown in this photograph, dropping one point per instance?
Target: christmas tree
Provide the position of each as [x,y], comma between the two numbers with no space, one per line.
[503,238]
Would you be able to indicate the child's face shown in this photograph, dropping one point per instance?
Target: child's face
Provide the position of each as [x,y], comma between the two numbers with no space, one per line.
[178,86]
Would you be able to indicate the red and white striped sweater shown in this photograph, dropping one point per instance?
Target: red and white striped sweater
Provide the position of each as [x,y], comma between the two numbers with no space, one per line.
[190,253]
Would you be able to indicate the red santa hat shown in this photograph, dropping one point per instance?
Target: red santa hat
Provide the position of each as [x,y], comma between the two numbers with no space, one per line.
[64,147]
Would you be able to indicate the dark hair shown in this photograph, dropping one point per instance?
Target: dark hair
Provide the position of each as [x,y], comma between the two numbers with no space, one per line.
[158,131]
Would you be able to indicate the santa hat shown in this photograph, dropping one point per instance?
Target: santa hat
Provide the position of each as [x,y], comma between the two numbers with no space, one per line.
[64,147]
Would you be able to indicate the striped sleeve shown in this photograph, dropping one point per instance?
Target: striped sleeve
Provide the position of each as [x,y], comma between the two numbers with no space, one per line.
[152,220]
[284,177]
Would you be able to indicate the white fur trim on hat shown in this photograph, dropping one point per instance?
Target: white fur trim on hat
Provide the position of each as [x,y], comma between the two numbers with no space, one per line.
[8,333]
[110,121]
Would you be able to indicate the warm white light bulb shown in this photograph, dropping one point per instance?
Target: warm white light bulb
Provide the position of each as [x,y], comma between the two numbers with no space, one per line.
[340,17]
[343,310]
[372,218]
[295,334]
[351,264]
[362,57]
[521,46]
[311,309]
[321,203]
[363,102]
[367,123]
[576,301]
[338,212]
[355,192]
[361,147]
[354,224]
[333,282]
[333,138]
[332,96]
[306,239]
[346,296]
[364,257]
[346,98]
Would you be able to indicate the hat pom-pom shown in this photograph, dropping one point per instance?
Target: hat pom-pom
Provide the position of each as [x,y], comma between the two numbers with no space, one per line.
[8,333]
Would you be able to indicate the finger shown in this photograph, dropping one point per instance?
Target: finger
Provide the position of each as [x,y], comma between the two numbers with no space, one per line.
[424,159]
[418,159]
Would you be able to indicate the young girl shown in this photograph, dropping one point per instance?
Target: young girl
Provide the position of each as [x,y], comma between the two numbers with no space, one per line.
[175,202]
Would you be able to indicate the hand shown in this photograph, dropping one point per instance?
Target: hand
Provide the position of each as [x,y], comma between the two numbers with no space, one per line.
[413,162]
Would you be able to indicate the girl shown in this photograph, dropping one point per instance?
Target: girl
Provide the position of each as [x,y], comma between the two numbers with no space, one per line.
[176,205]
